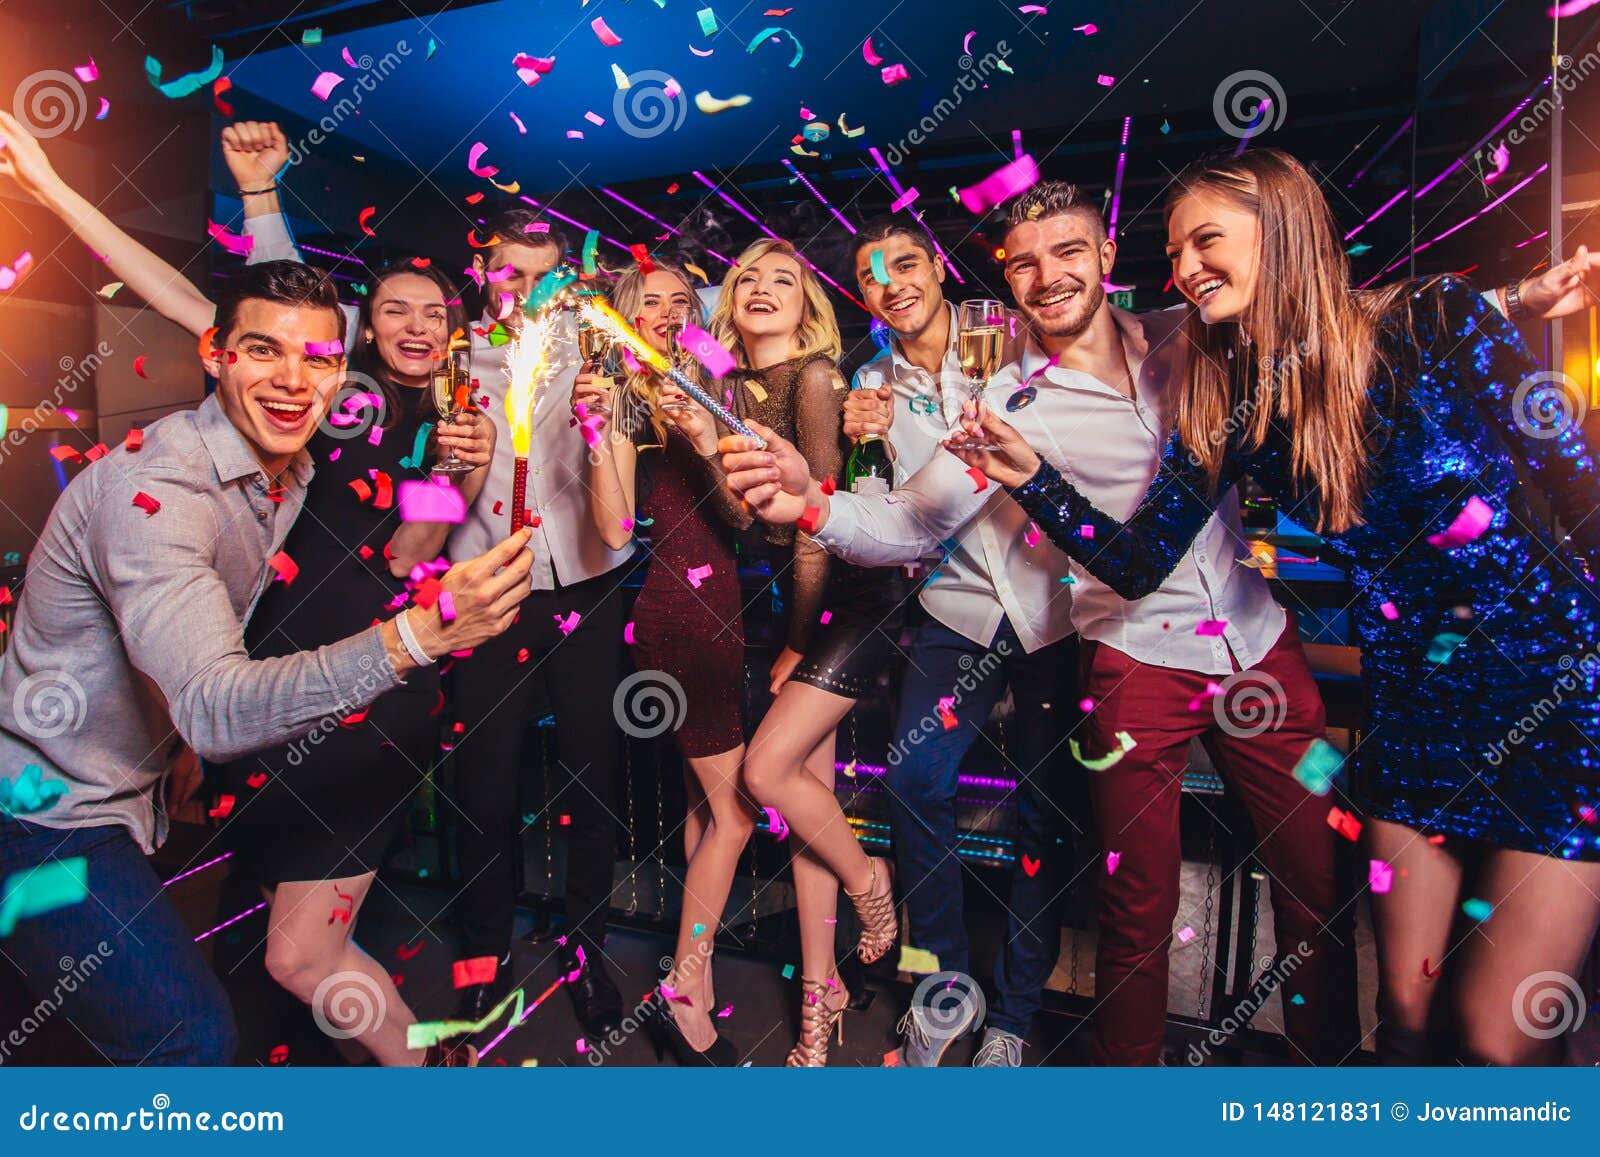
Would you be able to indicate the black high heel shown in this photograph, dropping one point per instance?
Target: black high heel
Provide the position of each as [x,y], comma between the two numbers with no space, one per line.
[666,1036]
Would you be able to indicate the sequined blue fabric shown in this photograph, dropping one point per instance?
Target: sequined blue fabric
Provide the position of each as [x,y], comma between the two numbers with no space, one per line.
[1492,737]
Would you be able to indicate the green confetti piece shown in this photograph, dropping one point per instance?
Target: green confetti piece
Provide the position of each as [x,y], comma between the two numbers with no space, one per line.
[429,1033]
[1358,249]
[360,288]
[188,83]
[1125,744]
[432,48]
[414,459]
[31,793]
[1318,767]
[1479,910]
[1003,66]
[880,272]
[1443,646]
[708,21]
[591,246]
[1297,999]
[917,960]
[548,287]
[5,420]
[1067,580]
[498,336]
[36,891]
[311,36]
[696,930]
[527,820]
[788,969]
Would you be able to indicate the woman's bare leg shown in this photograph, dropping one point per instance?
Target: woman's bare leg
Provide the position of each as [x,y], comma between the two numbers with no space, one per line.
[816,889]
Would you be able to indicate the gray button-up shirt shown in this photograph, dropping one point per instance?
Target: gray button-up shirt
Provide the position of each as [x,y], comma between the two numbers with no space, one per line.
[129,634]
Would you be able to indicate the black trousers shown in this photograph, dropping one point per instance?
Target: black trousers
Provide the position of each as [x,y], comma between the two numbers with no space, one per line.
[495,691]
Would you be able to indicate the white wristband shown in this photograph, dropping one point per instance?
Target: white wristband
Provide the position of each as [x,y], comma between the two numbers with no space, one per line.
[409,641]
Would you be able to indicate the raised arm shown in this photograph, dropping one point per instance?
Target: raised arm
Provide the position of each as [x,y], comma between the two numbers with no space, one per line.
[163,287]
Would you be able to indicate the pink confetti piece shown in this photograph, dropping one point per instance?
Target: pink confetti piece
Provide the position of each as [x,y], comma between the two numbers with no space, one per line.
[1185,934]
[1112,860]
[105,109]
[1380,876]
[334,457]
[671,89]
[1390,611]
[325,84]
[1212,691]
[521,128]
[232,242]
[607,37]
[708,351]
[447,601]
[594,118]
[903,200]
[317,349]
[1086,29]
[627,523]
[431,501]
[966,43]
[1570,8]
[869,55]
[375,436]
[582,1046]
[88,73]
[725,1013]
[697,574]
[1473,520]
[1034,10]
[1086,531]
[1105,81]
[536,64]
[1030,535]
[474,155]
[1211,626]
[627,634]
[827,617]
[777,827]
[574,134]
[698,52]
[1001,185]
[569,623]
[894,74]
[1086,705]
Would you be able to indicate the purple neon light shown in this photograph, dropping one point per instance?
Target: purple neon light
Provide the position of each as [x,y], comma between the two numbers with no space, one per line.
[526,1013]
[750,217]
[192,871]
[1492,204]
[817,193]
[1531,240]
[1377,156]
[1462,159]
[618,197]
[949,262]
[330,253]
[1116,186]
[1016,144]
[1387,205]
[1255,125]
[235,920]
[573,221]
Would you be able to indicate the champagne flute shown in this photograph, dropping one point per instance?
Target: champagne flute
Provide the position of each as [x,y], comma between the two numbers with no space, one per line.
[680,357]
[452,397]
[983,325]
[593,344]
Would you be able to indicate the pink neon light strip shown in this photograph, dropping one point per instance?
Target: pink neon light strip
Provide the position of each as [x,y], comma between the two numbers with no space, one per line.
[235,920]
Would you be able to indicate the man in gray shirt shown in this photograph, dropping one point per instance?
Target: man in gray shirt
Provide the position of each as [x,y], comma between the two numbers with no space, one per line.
[128,644]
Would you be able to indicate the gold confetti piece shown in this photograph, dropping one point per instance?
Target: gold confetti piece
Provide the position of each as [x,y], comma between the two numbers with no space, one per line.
[514,187]
[756,391]
[110,291]
[697,271]
[621,78]
[711,105]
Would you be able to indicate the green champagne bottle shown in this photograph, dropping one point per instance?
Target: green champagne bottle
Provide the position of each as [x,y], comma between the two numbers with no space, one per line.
[868,470]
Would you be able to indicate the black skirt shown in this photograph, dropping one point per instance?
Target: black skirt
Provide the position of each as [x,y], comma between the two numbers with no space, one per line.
[866,610]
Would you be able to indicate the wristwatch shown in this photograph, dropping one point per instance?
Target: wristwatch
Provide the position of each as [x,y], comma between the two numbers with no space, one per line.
[1515,310]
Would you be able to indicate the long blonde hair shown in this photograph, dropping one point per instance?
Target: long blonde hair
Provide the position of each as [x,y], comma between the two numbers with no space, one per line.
[642,389]
[819,329]
[1305,352]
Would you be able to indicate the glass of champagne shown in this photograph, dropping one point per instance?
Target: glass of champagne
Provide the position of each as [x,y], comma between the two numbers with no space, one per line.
[452,397]
[682,360]
[983,326]
[593,344]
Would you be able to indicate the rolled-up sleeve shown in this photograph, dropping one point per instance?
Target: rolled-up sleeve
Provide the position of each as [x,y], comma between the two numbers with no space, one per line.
[179,628]
[907,523]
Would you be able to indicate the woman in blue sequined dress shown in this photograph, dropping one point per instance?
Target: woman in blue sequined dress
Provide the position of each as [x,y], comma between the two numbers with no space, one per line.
[1395,422]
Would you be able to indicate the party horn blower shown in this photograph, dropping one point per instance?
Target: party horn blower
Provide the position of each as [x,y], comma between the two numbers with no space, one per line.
[527,368]
[603,317]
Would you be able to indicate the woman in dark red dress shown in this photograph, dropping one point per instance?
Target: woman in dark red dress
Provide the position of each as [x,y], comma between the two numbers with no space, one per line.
[657,468]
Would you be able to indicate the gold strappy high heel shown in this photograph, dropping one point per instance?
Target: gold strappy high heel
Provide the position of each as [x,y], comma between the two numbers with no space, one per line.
[880,926]
[818,1019]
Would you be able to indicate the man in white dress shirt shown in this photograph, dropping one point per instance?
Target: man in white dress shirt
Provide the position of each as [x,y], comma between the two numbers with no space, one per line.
[1094,392]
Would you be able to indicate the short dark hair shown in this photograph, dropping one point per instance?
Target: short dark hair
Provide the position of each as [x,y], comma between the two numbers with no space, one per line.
[1052,199]
[882,228]
[285,282]
[511,226]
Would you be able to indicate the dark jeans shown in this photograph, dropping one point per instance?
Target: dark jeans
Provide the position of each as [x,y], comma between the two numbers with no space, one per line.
[494,695]
[922,781]
[120,966]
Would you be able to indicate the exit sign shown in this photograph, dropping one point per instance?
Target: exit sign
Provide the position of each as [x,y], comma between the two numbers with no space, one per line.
[1122,299]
